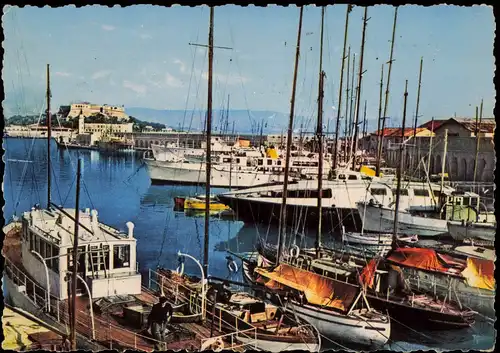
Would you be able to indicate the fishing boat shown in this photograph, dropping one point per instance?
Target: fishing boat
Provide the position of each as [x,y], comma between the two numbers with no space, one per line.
[379,217]
[375,239]
[277,330]
[469,281]
[461,230]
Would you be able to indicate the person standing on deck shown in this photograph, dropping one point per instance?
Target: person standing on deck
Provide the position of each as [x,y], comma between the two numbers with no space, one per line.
[160,316]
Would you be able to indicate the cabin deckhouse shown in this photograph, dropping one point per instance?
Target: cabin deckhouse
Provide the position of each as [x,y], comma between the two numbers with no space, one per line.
[107,257]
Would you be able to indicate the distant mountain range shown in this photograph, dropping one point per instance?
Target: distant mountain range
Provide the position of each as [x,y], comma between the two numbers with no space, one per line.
[246,121]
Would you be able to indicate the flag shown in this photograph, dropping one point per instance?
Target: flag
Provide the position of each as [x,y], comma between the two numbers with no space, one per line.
[349,8]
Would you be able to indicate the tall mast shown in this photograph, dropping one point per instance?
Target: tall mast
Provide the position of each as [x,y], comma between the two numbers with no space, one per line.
[386,102]
[335,151]
[319,133]
[352,107]
[282,228]
[227,116]
[430,147]
[443,164]
[416,144]
[379,133]
[49,137]
[75,257]
[478,128]
[358,94]
[364,121]
[346,127]
[400,167]
[208,153]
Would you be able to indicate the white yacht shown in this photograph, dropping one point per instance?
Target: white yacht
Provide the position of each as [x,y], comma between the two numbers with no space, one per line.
[237,170]
[341,192]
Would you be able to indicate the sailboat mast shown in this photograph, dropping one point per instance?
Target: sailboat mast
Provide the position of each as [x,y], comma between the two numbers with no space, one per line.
[346,126]
[358,93]
[417,145]
[74,270]
[478,128]
[443,165]
[386,102]
[319,133]
[364,121]
[430,147]
[381,97]
[400,167]
[208,154]
[281,233]
[49,137]
[351,107]
[335,151]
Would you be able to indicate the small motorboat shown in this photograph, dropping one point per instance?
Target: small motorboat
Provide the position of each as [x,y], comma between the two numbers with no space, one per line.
[277,329]
[197,203]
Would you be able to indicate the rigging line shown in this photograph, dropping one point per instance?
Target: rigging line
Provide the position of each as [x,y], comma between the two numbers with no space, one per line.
[23,175]
[190,81]
[69,191]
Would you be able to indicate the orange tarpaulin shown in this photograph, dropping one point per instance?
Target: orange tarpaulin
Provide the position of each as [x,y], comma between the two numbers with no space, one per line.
[480,273]
[318,290]
[367,276]
[424,259]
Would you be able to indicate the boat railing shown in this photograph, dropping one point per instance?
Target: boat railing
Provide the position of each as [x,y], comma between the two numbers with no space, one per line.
[220,319]
[233,339]
[105,333]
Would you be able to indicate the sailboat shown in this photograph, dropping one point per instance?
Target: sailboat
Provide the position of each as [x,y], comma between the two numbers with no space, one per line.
[337,309]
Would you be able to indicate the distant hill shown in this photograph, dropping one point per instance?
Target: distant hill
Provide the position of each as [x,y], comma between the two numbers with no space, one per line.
[245,121]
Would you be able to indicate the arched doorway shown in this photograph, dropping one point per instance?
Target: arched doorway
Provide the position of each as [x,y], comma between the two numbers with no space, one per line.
[454,168]
[481,169]
[438,164]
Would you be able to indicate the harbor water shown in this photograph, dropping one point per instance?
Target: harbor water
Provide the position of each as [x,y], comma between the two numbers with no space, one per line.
[118,186]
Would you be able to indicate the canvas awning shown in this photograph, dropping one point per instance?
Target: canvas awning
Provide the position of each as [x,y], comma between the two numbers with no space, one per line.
[318,290]
[480,273]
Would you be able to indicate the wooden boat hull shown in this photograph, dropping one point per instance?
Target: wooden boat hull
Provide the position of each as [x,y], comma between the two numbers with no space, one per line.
[460,232]
[417,317]
[339,327]
[277,346]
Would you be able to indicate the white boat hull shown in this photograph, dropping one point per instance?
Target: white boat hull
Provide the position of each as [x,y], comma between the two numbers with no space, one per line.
[460,232]
[191,173]
[275,346]
[345,328]
[381,219]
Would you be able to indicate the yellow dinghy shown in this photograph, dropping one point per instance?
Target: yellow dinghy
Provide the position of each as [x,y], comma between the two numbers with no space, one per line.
[197,203]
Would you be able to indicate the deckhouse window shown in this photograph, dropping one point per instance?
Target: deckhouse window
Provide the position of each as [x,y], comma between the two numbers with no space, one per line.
[353,177]
[402,192]
[421,192]
[260,162]
[121,256]
[378,191]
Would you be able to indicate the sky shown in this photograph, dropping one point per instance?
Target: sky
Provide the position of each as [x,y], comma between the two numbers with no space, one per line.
[140,56]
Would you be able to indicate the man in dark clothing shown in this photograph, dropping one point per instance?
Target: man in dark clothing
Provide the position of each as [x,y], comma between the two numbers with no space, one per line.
[160,316]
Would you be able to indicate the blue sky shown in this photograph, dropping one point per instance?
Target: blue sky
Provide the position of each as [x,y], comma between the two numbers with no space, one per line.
[139,56]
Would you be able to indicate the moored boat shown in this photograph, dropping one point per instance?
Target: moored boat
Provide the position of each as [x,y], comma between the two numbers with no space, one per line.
[461,230]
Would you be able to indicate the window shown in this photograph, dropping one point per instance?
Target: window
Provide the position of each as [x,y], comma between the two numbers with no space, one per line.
[421,192]
[353,177]
[341,177]
[402,192]
[121,256]
[378,191]
[260,161]
[269,162]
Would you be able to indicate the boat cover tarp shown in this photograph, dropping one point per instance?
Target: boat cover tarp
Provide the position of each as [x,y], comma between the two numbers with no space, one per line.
[421,258]
[318,290]
[480,273]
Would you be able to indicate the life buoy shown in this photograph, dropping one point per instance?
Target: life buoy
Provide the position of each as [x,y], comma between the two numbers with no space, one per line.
[180,269]
[294,251]
[232,266]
